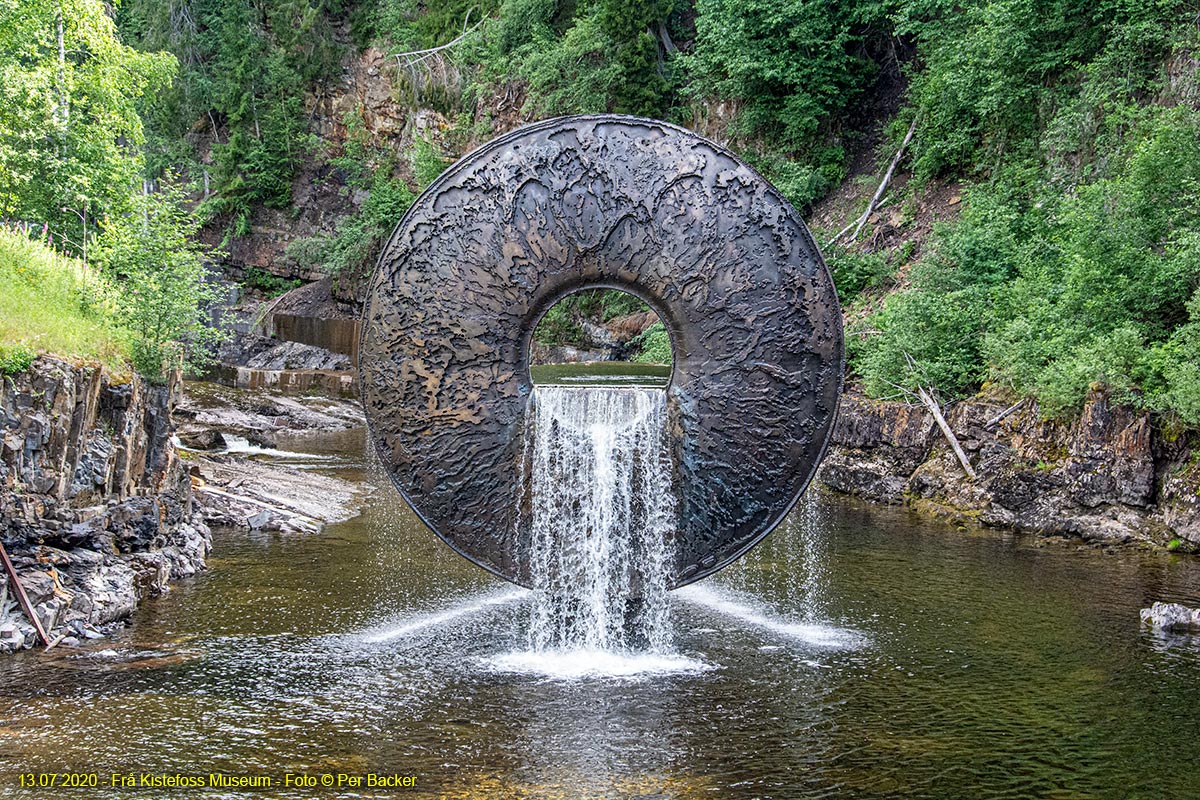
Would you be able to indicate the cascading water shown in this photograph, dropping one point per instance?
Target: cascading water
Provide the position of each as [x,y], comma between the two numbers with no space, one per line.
[603,514]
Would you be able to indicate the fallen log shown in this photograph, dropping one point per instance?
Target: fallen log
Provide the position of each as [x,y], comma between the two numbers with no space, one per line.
[887,179]
[23,598]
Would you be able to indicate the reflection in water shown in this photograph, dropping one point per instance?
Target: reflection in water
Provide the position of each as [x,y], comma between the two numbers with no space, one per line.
[979,665]
[601,373]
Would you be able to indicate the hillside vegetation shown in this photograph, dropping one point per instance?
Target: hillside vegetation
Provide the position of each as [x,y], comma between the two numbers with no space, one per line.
[74,175]
[1072,130]
[53,303]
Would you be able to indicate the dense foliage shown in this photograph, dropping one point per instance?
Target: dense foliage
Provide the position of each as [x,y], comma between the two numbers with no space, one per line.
[1075,129]
[562,324]
[653,345]
[160,284]
[72,158]
[70,133]
[1076,262]
[352,250]
[244,68]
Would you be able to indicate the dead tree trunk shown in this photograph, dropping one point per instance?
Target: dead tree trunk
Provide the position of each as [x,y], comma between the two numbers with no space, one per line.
[936,411]
[887,179]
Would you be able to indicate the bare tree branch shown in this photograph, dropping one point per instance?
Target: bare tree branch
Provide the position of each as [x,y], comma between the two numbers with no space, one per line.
[887,178]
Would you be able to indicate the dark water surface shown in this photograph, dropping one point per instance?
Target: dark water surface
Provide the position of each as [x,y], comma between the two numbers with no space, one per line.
[858,653]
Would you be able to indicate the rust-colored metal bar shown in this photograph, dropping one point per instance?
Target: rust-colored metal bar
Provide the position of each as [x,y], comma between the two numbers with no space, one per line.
[19,590]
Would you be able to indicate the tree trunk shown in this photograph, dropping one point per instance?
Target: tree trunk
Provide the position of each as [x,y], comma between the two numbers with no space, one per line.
[934,409]
[64,105]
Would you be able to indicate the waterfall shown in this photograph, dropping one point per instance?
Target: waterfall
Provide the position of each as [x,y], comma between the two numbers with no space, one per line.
[809,570]
[603,514]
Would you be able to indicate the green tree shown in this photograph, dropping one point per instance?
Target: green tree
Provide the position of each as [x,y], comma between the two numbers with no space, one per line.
[161,283]
[633,28]
[246,67]
[70,133]
[793,65]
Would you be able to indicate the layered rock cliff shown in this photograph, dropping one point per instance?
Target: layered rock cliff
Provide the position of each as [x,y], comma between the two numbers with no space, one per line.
[96,508]
[1110,475]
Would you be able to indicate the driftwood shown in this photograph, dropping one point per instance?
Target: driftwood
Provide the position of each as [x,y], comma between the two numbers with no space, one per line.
[996,420]
[887,179]
[936,411]
[19,591]
[925,395]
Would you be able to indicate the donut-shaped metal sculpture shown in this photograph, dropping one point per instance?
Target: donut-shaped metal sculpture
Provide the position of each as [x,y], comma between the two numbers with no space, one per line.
[601,201]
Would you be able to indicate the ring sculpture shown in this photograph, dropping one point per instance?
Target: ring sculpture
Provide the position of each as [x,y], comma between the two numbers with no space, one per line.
[601,201]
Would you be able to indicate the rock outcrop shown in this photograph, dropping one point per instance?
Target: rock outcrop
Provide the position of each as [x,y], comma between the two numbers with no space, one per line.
[1172,618]
[1109,475]
[240,492]
[209,411]
[362,103]
[96,508]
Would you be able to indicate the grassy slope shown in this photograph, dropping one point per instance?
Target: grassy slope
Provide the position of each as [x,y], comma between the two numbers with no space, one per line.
[53,304]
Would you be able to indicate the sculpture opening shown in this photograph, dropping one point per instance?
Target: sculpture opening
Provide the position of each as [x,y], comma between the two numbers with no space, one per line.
[600,336]
[597,473]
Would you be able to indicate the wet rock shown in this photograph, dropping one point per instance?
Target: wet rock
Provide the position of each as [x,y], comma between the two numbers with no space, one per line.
[294,355]
[1172,617]
[875,448]
[1181,502]
[245,493]
[96,507]
[260,520]
[1106,476]
[208,409]
[254,346]
[201,438]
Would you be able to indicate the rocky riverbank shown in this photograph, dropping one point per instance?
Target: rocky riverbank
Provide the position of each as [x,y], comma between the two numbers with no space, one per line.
[242,480]
[101,505]
[1109,476]
[96,508]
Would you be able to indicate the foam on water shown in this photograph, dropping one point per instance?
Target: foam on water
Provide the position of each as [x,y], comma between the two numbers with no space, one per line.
[751,611]
[242,446]
[583,663]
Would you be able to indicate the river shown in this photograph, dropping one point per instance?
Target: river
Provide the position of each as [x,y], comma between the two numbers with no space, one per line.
[859,652]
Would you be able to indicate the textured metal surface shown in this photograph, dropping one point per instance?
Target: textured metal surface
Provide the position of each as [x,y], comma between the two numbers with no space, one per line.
[582,202]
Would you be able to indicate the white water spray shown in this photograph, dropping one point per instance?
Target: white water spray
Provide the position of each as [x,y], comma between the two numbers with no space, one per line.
[603,511]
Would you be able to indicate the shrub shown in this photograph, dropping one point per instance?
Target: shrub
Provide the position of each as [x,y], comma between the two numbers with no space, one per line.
[1052,294]
[160,283]
[855,272]
[428,163]
[653,345]
[793,64]
[558,327]
[269,284]
[15,358]
[573,74]
[356,244]
[940,332]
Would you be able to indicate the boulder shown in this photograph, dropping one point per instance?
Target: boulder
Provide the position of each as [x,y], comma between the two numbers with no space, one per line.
[1172,617]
